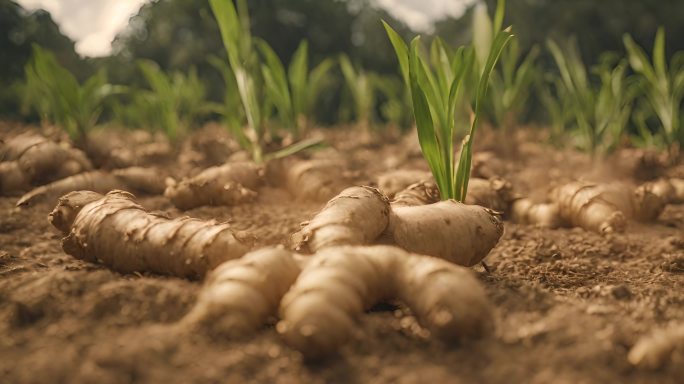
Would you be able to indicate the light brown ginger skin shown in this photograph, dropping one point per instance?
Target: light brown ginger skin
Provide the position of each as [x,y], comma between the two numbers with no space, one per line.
[315,180]
[655,350]
[671,190]
[319,313]
[421,193]
[229,184]
[392,182]
[604,208]
[358,215]
[134,180]
[525,211]
[30,159]
[494,193]
[459,233]
[240,295]
[114,230]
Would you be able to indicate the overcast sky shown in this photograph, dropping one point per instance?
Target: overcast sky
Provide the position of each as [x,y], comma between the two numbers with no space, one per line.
[93,24]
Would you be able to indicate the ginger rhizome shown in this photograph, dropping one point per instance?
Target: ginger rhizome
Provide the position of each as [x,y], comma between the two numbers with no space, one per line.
[493,193]
[114,230]
[315,179]
[460,233]
[463,234]
[604,208]
[525,211]
[358,215]
[421,193]
[27,160]
[320,311]
[135,180]
[658,348]
[398,180]
[671,190]
[240,295]
[229,184]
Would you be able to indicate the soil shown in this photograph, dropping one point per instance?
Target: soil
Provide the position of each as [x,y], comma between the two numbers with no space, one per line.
[569,304]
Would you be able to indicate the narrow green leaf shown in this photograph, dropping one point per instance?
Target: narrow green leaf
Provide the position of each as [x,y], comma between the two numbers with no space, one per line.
[400,49]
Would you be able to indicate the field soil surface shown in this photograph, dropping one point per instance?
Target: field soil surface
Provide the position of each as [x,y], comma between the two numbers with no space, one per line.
[569,303]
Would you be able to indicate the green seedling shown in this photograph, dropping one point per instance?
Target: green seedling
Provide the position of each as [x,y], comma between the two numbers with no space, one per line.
[177,98]
[294,93]
[439,93]
[252,76]
[600,115]
[58,97]
[662,87]
[362,91]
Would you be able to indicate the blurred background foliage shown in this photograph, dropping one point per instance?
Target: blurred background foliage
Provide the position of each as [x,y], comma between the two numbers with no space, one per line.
[181,34]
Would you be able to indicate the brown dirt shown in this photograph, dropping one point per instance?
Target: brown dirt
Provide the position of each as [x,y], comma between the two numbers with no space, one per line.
[569,304]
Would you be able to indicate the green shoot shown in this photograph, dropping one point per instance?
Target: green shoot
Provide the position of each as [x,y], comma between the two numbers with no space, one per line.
[237,40]
[59,98]
[600,115]
[177,98]
[305,85]
[511,81]
[662,87]
[439,94]
[294,93]
[362,90]
[396,98]
[231,108]
[248,71]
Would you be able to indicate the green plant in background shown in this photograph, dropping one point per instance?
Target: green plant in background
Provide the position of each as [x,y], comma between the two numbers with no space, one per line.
[512,79]
[135,108]
[361,88]
[58,97]
[247,68]
[438,92]
[177,98]
[557,105]
[600,115]
[237,40]
[294,93]
[396,99]
[231,110]
[511,85]
[662,87]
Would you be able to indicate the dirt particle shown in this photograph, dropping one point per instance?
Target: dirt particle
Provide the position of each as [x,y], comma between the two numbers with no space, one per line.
[621,292]
[23,315]
[673,265]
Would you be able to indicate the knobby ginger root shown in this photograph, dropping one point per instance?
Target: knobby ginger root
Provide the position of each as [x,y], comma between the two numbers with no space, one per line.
[655,350]
[670,190]
[459,233]
[318,314]
[134,180]
[229,184]
[31,160]
[398,180]
[116,231]
[358,215]
[525,211]
[494,193]
[240,295]
[315,179]
[422,193]
[604,208]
